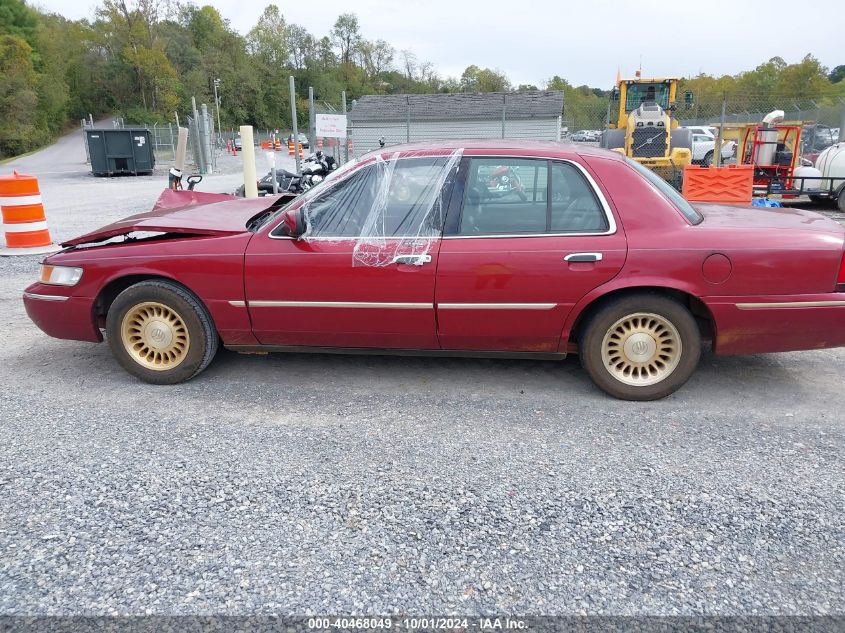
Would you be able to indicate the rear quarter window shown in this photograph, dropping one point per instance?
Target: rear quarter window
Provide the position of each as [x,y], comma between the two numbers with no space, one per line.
[669,192]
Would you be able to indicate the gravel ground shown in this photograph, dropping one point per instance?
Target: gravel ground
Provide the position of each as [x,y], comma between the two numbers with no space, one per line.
[338,484]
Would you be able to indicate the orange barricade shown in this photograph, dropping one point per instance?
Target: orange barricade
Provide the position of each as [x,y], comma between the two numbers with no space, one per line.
[24,222]
[291,148]
[733,184]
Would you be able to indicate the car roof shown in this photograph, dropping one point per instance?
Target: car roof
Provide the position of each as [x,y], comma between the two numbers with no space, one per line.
[495,146]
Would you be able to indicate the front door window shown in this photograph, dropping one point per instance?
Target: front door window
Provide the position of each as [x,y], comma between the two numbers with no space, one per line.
[390,208]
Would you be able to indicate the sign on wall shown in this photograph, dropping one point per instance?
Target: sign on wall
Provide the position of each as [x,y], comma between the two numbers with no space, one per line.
[331,125]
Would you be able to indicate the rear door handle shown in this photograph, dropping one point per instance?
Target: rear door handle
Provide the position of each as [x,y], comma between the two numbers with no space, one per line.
[582,257]
[412,260]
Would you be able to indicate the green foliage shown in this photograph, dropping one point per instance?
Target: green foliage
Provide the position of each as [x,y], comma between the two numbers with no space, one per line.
[475,79]
[19,20]
[146,59]
[18,96]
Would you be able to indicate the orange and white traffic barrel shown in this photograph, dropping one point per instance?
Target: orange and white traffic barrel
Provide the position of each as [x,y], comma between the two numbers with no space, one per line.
[291,148]
[299,148]
[24,222]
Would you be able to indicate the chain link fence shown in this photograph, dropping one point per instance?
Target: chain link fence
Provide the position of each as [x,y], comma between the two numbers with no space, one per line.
[366,136]
[399,119]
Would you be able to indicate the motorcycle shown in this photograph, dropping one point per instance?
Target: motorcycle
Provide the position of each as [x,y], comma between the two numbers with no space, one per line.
[314,169]
[504,180]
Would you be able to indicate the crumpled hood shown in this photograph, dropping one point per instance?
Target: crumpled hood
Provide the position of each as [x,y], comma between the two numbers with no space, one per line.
[189,212]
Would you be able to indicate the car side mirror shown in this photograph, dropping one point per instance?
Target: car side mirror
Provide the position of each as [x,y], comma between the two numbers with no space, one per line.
[294,222]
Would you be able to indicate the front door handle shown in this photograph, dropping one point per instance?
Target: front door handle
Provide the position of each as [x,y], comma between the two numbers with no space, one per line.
[582,257]
[412,260]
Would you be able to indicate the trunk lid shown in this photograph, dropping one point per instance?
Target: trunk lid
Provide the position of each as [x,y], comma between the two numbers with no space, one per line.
[188,212]
[722,216]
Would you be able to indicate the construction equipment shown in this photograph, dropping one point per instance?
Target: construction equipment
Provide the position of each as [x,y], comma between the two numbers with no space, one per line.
[773,147]
[645,128]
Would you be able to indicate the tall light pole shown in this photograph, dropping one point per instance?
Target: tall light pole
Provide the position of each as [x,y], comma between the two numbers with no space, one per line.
[217,103]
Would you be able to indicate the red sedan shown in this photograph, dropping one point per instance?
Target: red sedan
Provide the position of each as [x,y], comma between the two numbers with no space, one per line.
[469,248]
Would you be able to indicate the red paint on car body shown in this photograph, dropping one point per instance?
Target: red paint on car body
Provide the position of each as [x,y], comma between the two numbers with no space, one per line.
[779,295]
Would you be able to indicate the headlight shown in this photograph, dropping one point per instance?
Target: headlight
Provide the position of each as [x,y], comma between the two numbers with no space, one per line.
[60,275]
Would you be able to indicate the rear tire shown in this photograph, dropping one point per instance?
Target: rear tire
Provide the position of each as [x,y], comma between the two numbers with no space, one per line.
[679,137]
[612,139]
[641,347]
[708,159]
[840,201]
[160,332]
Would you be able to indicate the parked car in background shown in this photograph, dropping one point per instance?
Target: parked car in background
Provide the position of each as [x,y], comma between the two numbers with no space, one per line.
[703,149]
[815,139]
[702,129]
[582,136]
[238,143]
[303,140]
[591,253]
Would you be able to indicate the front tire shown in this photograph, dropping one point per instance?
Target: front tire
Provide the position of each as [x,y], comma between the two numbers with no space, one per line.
[160,332]
[642,347]
[708,159]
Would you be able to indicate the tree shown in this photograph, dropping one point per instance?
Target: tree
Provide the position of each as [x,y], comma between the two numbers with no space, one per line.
[205,26]
[346,36]
[19,20]
[18,96]
[837,74]
[409,64]
[301,44]
[268,39]
[475,79]
[376,57]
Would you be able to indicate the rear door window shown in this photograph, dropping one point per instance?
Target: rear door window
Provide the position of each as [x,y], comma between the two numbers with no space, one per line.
[505,196]
[515,196]
[574,205]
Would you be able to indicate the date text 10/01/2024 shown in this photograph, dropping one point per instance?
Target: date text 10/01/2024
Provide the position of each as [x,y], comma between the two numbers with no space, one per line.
[418,623]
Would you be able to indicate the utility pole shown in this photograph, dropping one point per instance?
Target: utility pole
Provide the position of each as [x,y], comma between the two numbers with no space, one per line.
[294,123]
[217,103]
[345,140]
[720,137]
[312,121]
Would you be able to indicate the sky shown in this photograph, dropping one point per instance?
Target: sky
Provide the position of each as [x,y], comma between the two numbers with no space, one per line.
[584,42]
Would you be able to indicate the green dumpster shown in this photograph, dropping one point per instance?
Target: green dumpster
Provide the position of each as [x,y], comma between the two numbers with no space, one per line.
[120,151]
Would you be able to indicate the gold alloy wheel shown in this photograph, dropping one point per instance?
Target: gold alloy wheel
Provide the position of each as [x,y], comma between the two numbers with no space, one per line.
[641,349]
[155,336]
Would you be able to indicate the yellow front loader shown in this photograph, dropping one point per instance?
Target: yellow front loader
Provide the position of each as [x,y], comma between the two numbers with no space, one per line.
[645,128]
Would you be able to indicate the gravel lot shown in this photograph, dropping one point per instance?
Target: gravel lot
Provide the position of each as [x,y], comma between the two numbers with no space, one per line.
[335,484]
